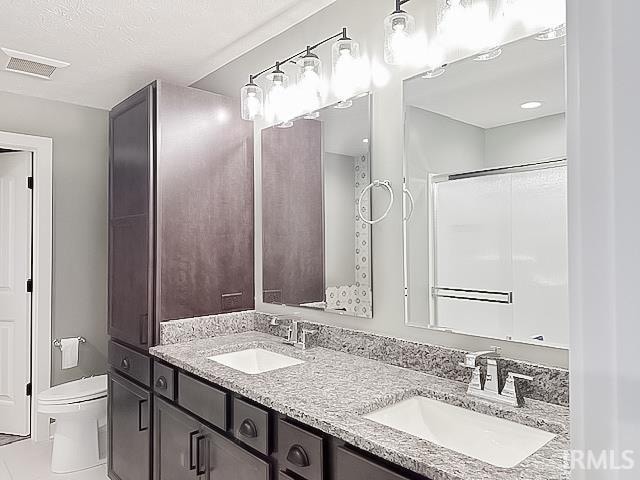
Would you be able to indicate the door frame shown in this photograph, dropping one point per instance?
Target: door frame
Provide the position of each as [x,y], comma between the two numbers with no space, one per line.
[42,256]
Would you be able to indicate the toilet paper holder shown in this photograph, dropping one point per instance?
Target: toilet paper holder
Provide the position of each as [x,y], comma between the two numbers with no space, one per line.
[58,343]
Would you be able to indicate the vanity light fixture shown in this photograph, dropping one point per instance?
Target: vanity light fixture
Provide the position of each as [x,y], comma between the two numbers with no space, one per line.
[277,105]
[399,27]
[345,54]
[434,73]
[489,55]
[343,104]
[531,105]
[553,33]
[252,100]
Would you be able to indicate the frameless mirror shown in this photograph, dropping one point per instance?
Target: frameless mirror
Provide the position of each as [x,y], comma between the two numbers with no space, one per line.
[485,230]
[315,247]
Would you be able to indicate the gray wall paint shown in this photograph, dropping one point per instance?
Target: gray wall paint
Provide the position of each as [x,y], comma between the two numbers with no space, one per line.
[80,178]
[364,19]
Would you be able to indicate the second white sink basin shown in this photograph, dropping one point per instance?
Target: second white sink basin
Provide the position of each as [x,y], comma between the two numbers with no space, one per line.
[493,440]
[255,360]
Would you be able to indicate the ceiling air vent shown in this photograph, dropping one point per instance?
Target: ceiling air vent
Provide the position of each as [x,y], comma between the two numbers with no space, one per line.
[34,65]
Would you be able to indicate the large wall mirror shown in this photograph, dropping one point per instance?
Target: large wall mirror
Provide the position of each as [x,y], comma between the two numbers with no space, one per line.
[316,250]
[485,230]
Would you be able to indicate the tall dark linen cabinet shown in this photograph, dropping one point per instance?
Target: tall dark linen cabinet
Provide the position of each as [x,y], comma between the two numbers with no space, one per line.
[181,241]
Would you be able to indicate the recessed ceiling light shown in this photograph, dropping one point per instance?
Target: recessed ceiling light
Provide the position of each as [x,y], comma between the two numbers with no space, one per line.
[490,55]
[531,105]
[365,140]
[287,124]
[436,72]
[311,115]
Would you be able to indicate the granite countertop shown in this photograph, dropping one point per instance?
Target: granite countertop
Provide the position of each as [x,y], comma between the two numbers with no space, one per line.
[332,391]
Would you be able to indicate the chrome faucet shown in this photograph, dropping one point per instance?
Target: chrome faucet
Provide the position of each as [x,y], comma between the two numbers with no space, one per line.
[293,329]
[510,394]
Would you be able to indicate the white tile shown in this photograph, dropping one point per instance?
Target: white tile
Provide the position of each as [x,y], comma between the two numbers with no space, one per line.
[28,460]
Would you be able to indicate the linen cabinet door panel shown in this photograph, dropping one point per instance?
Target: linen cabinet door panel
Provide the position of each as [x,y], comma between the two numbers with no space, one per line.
[130,210]
[176,438]
[129,442]
[228,461]
[205,205]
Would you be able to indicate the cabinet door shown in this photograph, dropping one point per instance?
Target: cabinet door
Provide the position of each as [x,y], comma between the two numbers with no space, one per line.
[129,441]
[204,205]
[176,438]
[131,220]
[228,461]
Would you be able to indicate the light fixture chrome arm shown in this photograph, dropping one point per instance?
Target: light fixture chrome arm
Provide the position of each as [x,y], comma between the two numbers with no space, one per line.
[376,183]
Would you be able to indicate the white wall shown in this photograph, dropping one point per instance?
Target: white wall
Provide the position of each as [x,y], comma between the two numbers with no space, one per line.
[433,144]
[80,180]
[364,19]
[339,225]
[604,232]
[526,142]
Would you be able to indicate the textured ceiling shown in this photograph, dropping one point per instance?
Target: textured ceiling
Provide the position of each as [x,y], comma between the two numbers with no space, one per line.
[117,46]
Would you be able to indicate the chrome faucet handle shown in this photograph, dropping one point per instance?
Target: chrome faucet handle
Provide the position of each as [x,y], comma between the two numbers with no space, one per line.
[510,392]
[471,358]
[305,333]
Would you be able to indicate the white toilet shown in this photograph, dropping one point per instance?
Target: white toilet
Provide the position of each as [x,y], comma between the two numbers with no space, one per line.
[80,409]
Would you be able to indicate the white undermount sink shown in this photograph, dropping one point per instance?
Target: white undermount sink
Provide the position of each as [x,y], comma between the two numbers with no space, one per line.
[255,360]
[493,440]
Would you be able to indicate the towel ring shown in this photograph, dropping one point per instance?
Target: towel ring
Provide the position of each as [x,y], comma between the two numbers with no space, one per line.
[407,192]
[376,183]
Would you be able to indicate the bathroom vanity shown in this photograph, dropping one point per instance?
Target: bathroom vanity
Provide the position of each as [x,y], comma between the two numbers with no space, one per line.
[321,418]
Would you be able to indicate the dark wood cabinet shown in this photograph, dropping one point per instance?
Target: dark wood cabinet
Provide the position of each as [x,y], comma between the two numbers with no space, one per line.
[129,416]
[228,461]
[351,466]
[181,240]
[131,219]
[177,442]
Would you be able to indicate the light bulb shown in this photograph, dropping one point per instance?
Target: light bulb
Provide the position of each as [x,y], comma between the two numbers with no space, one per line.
[399,28]
[251,99]
[346,67]
[309,81]
[278,107]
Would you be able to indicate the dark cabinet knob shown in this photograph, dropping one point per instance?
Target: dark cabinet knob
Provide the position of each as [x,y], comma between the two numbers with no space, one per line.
[125,363]
[161,383]
[248,428]
[298,457]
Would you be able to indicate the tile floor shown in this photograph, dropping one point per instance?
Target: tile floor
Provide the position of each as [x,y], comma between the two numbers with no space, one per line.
[27,460]
[7,439]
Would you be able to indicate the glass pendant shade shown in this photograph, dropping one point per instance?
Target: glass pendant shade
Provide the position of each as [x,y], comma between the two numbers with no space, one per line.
[310,81]
[252,100]
[277,107]
[399,28]
[345,54]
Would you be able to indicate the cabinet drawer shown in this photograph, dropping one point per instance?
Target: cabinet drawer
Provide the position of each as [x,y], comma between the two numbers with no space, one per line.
[300,451]
[164,380]
[351,466]
[251,425]
[131,363]
[205,401]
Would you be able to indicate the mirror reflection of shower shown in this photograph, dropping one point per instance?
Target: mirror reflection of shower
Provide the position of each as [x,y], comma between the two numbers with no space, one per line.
[485,174]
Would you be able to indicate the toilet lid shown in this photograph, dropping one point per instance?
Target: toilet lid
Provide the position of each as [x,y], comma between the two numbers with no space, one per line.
[76,391]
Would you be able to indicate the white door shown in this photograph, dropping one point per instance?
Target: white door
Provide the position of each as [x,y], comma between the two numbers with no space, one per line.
[15,302]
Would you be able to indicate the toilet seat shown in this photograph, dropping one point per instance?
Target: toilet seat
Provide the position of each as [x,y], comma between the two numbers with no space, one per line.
[78,391]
